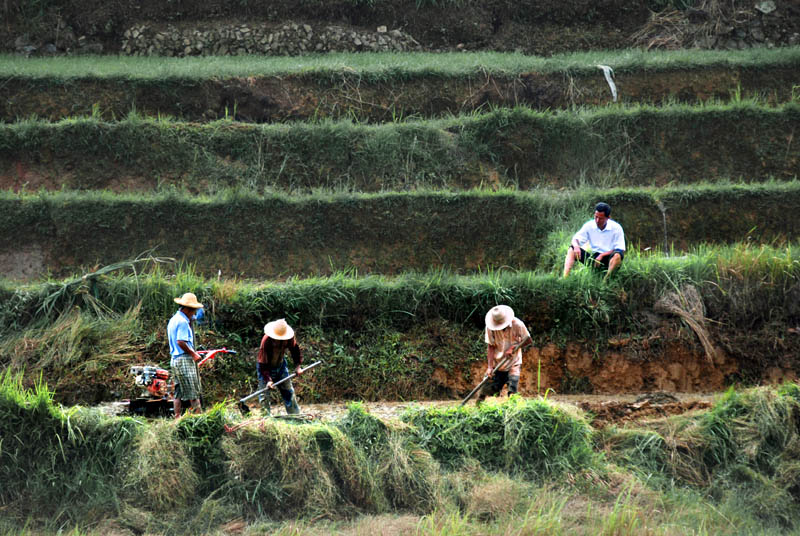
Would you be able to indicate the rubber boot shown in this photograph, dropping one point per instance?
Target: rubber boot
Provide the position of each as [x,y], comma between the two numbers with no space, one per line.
[265,405]
[293,408]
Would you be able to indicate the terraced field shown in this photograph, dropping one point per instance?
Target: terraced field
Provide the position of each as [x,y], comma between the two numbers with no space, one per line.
[278,167]
[383,199]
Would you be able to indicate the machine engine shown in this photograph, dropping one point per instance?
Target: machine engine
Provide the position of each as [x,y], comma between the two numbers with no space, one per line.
[154,380]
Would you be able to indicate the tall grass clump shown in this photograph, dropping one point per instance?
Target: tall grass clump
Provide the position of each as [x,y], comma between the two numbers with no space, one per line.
[159,475]
[282,470]
[536,438]
[405,473]
[76,340]
[644,451]
[751,447]
[56,465]
[202,437]
[742,454]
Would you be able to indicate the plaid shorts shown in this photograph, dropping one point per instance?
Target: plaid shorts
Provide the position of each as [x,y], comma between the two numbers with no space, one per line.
[186,376]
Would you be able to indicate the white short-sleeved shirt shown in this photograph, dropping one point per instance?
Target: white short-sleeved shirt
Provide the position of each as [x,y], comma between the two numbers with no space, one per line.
[610,238]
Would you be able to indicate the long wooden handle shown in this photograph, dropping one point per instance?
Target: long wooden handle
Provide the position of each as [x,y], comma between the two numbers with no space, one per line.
[514,348]
[274,385]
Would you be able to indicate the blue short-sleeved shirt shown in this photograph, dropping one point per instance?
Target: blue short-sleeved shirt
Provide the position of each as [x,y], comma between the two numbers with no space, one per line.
[179,329]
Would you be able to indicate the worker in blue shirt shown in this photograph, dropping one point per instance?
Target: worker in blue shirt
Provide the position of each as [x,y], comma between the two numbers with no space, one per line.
[184,357]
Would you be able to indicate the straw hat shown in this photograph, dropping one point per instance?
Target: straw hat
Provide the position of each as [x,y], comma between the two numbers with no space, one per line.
[499,317]
[189,300]
[279,329]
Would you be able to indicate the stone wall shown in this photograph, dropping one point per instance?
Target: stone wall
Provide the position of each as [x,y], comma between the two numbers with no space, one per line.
[284,40]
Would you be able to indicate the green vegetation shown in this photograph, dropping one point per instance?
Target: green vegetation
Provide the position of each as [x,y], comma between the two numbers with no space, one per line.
[58,464]
[534,438]
[517,466]
[387,336]
[382,203]
[519,147]
[385,67]
[387,233]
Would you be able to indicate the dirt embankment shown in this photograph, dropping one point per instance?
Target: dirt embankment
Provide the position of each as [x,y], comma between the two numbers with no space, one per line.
[300,98]
[575,369]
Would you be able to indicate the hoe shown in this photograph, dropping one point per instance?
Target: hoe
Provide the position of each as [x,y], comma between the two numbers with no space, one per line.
[243,402]
[487,377]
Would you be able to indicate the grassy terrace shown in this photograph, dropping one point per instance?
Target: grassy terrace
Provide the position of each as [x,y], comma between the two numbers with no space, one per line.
[387,335]
[519,148]
[381,87]
[382,203]
[378,67]
[279,235]
[526,466]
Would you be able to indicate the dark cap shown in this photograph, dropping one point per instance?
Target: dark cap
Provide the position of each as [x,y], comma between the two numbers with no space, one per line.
[604,208]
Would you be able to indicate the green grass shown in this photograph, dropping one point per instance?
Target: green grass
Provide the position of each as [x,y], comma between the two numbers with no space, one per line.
[389,233]
[86,474]
[387,336]
[58,465]
[505,148]
[751,275]
[377,67]
[534,438]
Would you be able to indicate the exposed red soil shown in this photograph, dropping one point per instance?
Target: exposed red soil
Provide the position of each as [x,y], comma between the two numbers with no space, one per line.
[551,369]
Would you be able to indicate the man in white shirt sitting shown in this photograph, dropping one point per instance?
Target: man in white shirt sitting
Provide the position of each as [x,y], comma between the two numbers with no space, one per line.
[605,238]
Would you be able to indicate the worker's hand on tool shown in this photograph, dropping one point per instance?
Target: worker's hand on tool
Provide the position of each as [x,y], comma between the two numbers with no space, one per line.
[576,252]
[298,370]
[269,384]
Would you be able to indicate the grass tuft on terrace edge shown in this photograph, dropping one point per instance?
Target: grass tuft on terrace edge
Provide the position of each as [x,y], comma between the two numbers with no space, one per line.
[385,67]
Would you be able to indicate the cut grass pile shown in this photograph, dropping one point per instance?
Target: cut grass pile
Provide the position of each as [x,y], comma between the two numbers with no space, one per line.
[523,465]
[744,452]
[534,438]
[56,464]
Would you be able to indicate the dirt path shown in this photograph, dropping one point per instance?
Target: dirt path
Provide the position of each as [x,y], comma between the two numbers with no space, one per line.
[604,409]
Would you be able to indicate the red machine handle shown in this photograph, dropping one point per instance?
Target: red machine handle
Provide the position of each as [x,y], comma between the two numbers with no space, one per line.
[207,355]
